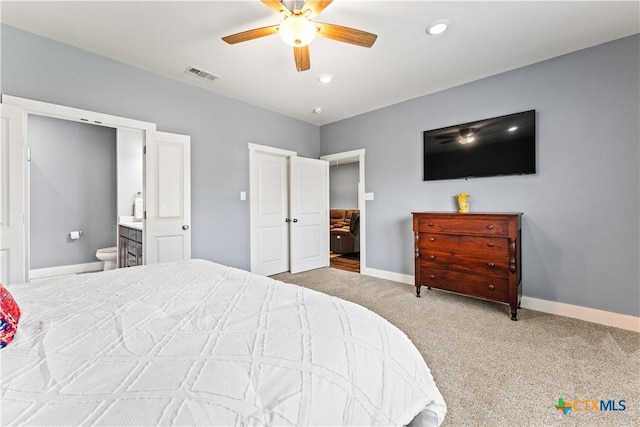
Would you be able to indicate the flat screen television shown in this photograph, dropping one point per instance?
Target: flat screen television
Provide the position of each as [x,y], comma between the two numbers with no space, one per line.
[504,145]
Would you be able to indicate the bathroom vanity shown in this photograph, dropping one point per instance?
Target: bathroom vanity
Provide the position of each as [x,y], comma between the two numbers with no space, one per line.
[130,245]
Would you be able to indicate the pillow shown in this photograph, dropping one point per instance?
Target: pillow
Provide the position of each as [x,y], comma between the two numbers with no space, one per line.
[9,316]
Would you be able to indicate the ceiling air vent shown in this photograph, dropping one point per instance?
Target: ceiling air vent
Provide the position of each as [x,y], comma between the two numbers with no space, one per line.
[197,72]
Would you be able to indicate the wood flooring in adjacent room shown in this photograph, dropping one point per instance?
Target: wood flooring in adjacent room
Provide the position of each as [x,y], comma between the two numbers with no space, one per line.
[347,262]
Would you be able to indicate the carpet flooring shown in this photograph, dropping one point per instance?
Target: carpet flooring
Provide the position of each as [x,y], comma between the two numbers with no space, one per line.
[493,371]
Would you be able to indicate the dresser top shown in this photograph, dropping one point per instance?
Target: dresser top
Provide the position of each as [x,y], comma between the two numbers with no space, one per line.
[468,213]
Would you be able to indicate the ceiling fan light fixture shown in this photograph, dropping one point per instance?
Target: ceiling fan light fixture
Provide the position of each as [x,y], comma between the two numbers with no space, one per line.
[297,31]
[438,27]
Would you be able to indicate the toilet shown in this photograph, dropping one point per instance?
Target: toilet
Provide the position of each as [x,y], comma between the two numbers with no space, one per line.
[108,255]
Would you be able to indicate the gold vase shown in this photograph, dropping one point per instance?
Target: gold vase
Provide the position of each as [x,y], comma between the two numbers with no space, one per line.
[463,202]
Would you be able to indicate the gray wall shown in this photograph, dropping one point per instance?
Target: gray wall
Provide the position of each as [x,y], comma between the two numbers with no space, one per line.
[343,186]
[220,128]
[73,188]
[581,210]
[129,146]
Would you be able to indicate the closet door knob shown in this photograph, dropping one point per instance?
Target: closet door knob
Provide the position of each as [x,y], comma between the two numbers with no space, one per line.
[185,227]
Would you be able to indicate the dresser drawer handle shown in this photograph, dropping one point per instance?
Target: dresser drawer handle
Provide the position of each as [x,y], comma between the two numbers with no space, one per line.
[491,287]
[432,276]
[491,244]
[431,224]
[491,264]
[432,239]
[490,226]
[432,257]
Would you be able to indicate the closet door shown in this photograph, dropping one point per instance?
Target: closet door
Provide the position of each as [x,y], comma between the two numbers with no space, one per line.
[13,173]
[309,211]
[167,198]
[269,212]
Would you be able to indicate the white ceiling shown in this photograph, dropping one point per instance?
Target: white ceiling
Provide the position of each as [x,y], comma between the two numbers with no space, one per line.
[485,38]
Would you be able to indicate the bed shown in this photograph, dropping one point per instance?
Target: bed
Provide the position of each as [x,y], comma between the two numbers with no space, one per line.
[199,343]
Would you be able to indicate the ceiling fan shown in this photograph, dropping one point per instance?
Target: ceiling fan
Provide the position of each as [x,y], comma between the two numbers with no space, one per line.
[298,30]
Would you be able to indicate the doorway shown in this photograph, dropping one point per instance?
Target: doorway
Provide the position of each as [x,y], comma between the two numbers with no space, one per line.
[354,162]
[165,155]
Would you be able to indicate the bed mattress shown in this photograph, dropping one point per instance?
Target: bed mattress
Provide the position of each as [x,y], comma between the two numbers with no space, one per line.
[198,343]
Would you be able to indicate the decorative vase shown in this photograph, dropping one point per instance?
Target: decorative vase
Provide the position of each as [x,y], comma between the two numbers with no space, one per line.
[463,202]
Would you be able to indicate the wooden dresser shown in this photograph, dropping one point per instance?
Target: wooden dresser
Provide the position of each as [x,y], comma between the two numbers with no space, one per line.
[475,254]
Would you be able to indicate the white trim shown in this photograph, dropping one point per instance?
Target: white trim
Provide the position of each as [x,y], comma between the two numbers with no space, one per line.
[607,318]
[388,275]
[62,270]
[75,114]
[601,317]
[272,150]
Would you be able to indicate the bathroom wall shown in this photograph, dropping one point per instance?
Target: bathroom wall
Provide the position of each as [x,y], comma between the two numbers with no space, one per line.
[343,186]
[129,156]
[73,187]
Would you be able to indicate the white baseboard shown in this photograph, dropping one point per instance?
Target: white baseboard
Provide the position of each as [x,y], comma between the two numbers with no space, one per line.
[40,273]
[607,318]
[388,275]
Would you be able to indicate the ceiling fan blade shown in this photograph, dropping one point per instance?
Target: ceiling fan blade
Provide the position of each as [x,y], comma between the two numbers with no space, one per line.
[256,33]
[314,7]
[346,34]
[301,55]
[277,6]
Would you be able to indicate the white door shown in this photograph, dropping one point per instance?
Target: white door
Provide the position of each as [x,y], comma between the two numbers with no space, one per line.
[167,198]
[309,213]
[12,198]
[269,211]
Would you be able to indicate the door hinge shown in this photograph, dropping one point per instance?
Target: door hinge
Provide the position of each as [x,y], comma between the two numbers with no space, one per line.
[145,215]
[28,154]
[144,150]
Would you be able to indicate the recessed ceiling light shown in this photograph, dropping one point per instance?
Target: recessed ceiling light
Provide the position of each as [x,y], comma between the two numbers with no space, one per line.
[317,110]
[438,27]
[325,78]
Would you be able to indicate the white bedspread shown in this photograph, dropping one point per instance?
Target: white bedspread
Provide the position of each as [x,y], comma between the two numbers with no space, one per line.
[198,343]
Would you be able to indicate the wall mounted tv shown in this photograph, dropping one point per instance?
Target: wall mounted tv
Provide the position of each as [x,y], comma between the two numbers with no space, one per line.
[504,145]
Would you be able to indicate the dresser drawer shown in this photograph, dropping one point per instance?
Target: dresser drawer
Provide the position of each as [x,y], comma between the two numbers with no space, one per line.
[493,288]
[477,263]
[474,226]
[460,243]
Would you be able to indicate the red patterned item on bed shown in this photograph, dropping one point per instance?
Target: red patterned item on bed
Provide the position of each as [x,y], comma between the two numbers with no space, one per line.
[9,316]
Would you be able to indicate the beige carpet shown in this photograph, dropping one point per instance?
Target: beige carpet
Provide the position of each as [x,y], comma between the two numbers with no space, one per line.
[493,371]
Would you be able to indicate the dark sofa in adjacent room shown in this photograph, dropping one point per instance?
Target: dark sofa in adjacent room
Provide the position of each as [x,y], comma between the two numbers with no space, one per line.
[345,230]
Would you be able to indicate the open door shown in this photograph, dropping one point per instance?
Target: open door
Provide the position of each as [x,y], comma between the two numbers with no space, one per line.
[167,198]
[309,213]
[13,165]
[269,212]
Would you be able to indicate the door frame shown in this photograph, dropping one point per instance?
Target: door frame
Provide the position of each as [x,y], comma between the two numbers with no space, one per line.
[45,109]
[355,156]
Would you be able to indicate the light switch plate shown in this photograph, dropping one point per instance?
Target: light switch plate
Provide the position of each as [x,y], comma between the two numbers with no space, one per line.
[243,195]
[368,196]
